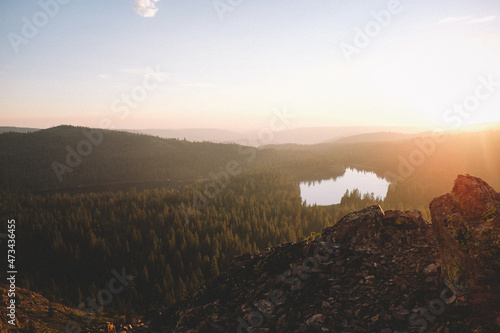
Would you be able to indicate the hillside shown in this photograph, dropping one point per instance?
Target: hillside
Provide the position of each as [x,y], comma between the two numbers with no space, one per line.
[66,157]
[373,271]
[195,134]
[35,313]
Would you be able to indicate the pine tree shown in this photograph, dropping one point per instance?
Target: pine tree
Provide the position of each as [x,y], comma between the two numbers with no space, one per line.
[214,268]
[181,290]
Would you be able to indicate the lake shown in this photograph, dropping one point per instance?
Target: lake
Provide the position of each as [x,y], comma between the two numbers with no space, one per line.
[329,192]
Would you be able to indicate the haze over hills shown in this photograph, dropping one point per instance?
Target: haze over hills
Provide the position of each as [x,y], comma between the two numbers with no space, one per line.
[306,135]
[30,159]
[379,137]
[302,136]
[8,129]
[265,136]
[73,160]
[256,138]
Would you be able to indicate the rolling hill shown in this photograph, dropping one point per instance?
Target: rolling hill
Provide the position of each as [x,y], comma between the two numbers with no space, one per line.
[67,156]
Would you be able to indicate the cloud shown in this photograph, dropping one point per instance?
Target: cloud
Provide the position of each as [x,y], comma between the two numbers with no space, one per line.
[198,85]
[146,8]
[467,19]
[147,71]
[136,71]
[104,76]
[484,19]
[454,19]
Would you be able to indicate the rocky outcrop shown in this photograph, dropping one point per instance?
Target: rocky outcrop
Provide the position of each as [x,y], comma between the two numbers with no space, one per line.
[374,227]
[373,271]
[466,224]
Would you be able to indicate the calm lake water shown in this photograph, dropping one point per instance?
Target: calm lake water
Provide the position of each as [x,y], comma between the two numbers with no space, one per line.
[329,192]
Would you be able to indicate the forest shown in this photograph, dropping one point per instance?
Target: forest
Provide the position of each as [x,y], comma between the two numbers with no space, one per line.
[71,243]
[172,239]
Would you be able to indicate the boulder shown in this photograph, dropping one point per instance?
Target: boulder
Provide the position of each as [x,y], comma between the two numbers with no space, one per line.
[404,219]
[466,225]
[359,227]
[374,227]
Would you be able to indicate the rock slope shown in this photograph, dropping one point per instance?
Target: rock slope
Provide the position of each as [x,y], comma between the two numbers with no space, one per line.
[373,271]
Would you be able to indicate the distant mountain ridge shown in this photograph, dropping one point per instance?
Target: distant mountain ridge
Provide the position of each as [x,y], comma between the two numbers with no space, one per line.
[194,134]
[300,135]
[69,157]
[7,129]
[377,137]
[257,138]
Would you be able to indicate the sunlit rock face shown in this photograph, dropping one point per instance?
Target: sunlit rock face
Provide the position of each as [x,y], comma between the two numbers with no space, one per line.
[466,224]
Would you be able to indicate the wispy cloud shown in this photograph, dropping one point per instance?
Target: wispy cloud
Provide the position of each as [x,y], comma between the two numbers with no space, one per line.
[484,19]
[454,19]
[198,85]
[146,8]
[136,71]
[146,71]
[467,19]
[104,76]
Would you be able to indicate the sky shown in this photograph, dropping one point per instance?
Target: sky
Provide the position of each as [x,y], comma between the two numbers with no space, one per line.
[232,64]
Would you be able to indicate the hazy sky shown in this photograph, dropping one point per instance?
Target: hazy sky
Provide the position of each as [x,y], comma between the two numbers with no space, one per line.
[229,63]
